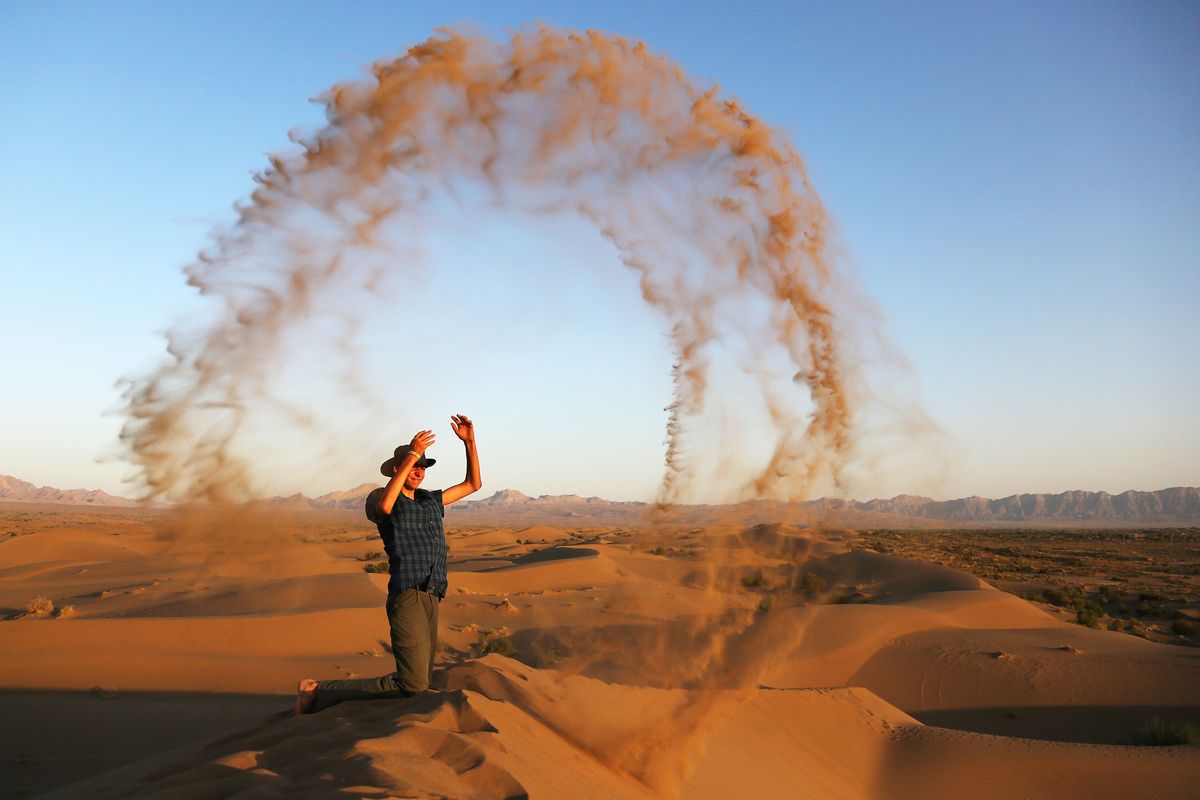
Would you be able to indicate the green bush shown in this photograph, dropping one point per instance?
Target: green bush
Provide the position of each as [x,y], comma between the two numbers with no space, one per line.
[1065,597]
[372,555]
[378,566]
[812,583]
[1183,627]
[764,605]
[1090,616]
[1157,733]
[492,643]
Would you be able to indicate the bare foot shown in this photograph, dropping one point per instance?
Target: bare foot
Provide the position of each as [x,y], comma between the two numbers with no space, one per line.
[306,696]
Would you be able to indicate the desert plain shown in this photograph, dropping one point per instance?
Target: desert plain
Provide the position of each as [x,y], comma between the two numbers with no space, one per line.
[756,652]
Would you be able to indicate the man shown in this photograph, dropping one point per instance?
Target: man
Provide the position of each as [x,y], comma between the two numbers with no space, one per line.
[409,520]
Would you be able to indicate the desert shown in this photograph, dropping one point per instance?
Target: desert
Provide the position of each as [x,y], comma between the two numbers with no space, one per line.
[624,400]
[659,657]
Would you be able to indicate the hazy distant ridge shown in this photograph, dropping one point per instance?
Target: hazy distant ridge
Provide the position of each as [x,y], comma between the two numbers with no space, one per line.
[1179,504]
[17,490]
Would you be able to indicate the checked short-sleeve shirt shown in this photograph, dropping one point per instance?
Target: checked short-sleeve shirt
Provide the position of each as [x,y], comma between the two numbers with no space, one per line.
[414,539]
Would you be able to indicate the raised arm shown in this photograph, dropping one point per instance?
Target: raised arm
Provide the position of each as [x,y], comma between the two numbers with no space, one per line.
[464,429]
[416,449]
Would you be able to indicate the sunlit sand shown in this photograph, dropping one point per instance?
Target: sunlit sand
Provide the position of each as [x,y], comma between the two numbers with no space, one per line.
[694,660]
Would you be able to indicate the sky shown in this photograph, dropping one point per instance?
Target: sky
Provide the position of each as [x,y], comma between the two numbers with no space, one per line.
[1016,186]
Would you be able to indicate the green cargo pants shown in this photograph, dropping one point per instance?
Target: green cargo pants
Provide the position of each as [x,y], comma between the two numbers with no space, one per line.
[413,617]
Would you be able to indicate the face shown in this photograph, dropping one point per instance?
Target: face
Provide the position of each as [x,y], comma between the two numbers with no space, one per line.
[415,476]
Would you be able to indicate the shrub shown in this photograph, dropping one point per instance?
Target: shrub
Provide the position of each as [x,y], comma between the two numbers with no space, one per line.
[378,566]
[39,606]
[1144,608]
[1065,597]
[1183,627]
[812,583]
[1089,616]
[1157,733]
[764,605]
[66,612]
[494,642]
[372,555]
[659,551]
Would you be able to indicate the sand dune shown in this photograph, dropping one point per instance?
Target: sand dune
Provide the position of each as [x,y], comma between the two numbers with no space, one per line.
[658,661]
[501,730]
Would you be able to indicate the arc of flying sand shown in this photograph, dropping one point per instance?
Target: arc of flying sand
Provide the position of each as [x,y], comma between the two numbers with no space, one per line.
[704,202]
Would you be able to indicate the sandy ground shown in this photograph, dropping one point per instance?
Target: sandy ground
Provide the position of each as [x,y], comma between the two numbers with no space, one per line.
[669,659]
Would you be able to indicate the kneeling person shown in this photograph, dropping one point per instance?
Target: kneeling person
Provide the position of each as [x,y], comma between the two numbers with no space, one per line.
[410,523]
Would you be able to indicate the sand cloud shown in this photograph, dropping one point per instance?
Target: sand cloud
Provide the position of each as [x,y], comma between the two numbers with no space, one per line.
[711,208]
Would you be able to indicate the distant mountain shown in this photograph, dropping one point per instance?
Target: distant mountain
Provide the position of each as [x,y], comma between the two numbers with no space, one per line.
[1179,505]
[349,498]
[504,497]
[14,490]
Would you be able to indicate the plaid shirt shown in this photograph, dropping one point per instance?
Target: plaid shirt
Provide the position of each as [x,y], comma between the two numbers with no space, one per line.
[414,539]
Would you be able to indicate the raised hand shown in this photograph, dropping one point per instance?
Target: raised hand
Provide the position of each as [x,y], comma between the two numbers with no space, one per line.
[422,442]
[463,428]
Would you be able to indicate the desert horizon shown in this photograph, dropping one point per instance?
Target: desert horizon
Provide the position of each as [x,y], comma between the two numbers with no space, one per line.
[1171,505]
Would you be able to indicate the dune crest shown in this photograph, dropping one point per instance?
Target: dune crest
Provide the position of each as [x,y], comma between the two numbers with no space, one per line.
[501,730]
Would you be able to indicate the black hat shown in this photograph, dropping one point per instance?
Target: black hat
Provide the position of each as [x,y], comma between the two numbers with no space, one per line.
[401,451]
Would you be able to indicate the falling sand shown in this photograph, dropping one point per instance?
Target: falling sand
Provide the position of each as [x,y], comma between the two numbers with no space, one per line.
[711,208]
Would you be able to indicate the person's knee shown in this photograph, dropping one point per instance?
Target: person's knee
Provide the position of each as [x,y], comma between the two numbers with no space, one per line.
[411,684]
[408,681]
[417,687]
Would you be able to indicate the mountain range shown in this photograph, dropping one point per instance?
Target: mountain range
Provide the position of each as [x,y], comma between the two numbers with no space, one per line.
[1177,505]
[19,491]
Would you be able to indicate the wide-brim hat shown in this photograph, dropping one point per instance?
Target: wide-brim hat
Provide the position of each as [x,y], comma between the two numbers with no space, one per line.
[401,451]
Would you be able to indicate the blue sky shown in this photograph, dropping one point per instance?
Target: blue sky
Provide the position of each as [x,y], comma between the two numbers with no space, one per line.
[1016,185]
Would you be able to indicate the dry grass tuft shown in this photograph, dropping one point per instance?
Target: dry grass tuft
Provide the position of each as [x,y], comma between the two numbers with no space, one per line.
[40,606]
[506,605]
[494,641]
